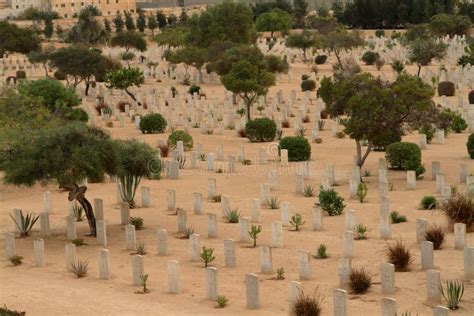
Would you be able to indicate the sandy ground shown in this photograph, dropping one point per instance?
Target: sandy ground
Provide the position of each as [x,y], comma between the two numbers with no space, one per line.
[53,291]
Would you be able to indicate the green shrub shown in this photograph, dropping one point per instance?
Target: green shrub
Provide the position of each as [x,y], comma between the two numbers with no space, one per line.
[470,145]
[136,221]
[304,77]
[51,93]
[4,311]
[379,33]
[390,136]
[298,148]
[428,202]
[308,85]
[320,59]
[471,97]
[370,57]
[446,88]
[59,75]
[152,123]
[76,114]
[429,131]
[330,202]
[261,130]
[175,136]
[405,156]
[458,123]
[20,74]
[194,89]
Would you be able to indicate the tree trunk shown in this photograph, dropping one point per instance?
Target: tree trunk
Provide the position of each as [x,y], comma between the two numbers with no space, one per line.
[87,206]
[361,159]
[304,55]
[338,59]
[419,70]
[248,109]
[132,96]
[201,81]
[46,70]
[234,99]
[87,88]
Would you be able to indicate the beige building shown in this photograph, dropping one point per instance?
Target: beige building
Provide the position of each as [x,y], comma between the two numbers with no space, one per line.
[66,8]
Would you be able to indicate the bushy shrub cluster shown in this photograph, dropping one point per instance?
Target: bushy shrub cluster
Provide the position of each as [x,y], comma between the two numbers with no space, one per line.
[152,123]
[261,130]
[405,156]
[298,148]
[176,136]
[308,85]
[446,88]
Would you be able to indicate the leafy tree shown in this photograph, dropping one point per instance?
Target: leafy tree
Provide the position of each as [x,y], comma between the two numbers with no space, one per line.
[88,30]
[466,8]
[82,64]
[48,28]
[107,27]
[35,14]
[129,40]
[248,81]
[224,22]
[129,24]
[172,20]
[17,40]
[446,24]
[303,41]
[50,93]
[171,37]
[152,23]
[124,79]
[264,7]
[190,56]
[141,22]
[41,57]
[422,51]
[161,19]
[467,58]
[118,22]
[66,153]
[372,109]
[300,9]
[323,25]
[183,18]
[274,21]
[339,40]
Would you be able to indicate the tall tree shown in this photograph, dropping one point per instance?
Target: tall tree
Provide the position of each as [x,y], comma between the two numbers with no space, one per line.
[190,56]
[248,81]
[337,41]
[423,51]
[124,79]
[300,8]
[48,28]
[88,30]
[161,19]
[41,57]
[152,24]
[372,110]
[303,41]
[129,40]
[274,21]
[141,22]
[118,22]
[17,40]
[129,24]
[82,65]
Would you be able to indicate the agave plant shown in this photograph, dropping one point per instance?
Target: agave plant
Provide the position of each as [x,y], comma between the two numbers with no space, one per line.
[181,162]
[78,211]
[26,223]
[453,294]
[128,185]
[80,268]
[233,216]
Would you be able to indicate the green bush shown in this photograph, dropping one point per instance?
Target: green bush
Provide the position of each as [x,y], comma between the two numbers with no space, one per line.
[298,148]
[405,156]
[194,89]
[175,136]
[59,75]
[470,145]
[330,202]
[51,93]
[471,97]
[320,59]
[390,136]
[379,33]
[429,131]
[370,57]
[446,88]
[308,85]
[75,114]
[152,123]
[304,77]
[428,202]
[458,123]
[20,74]
[261,130]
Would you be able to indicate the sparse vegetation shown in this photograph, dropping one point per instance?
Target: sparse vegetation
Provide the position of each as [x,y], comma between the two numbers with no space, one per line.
[307,305]
[78,242]
[25,223]
[221,301]
[78,211]
[217,198]
[189,231]
[359,281]
[16,260]
[253,233]
[137,222]
[80,268]
[233,216]
[397,218]
[309,190]
[321,252]
[428,202]
[399,255]
[297,221]
[280,274]
[459,208]
[435,234]
[453,293]
[273,203]
[362,191]
[140,248]
[207,256]
[360,232]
